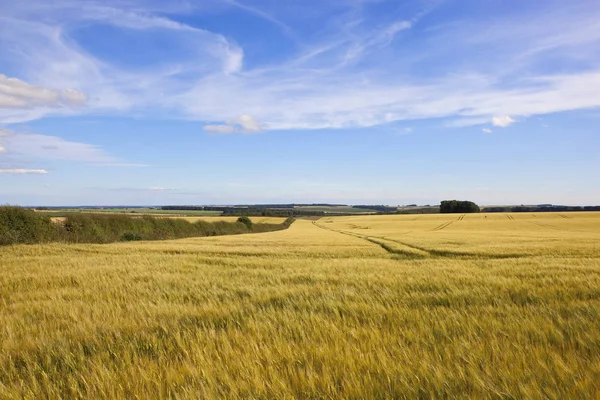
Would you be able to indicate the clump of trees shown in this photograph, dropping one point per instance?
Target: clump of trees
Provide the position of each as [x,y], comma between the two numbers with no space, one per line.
[23,226]
[246,221]
[458,206]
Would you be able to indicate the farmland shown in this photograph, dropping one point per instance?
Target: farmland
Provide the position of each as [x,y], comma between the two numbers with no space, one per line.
[394,306]
[59,212]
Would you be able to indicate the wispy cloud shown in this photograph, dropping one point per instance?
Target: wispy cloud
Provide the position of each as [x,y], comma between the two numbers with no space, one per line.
[266,16]
[21,171]
[121,165]
[33,147]
[220,128]
[487,130]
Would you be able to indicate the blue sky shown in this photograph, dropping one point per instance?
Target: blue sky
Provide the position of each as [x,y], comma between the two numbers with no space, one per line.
[259,101]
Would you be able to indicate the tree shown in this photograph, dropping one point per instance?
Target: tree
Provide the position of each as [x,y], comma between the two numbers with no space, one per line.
[246,221]
[458,206]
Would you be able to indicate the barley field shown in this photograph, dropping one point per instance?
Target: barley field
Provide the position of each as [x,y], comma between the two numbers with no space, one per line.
[406,306]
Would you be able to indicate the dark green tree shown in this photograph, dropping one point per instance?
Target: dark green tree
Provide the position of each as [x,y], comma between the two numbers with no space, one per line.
[246,221]
[458,206]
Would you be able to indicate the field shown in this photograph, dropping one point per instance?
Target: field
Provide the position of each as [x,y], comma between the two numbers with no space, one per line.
[141,211]
[403,306]
[208,218]
[336,209]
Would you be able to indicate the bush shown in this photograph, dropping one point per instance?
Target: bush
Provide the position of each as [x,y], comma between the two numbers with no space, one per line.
[130,236]
[246,221]
[20,225]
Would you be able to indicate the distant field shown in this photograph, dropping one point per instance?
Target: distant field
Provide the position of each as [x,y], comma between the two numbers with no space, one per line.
[152,211]
[336,209]
[208,218]
[259,220]
[357,307]
[141,211]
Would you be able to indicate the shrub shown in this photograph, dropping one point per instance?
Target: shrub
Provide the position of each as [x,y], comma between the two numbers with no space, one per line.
[130,236]
[20,225]
[246,221]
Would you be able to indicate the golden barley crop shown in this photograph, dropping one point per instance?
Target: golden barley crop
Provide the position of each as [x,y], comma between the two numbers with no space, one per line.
[407,306]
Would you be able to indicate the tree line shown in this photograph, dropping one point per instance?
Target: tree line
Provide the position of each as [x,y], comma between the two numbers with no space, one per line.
[545,208]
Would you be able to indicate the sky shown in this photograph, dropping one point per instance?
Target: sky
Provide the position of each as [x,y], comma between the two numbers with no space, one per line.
[148,102]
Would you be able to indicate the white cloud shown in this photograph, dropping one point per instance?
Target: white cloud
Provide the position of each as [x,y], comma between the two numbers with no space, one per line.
[487,130]
[15,93]
[503,121]
[248,123]
[2,149]
[240,124]
[20,171]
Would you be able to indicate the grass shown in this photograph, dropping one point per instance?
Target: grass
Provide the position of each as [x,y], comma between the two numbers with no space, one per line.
[490,307]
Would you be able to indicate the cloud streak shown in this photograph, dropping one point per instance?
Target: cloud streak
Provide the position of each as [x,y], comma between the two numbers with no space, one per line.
[33,147]
[21,171]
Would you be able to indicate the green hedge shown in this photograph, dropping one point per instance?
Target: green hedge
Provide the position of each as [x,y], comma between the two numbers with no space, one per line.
[19,225]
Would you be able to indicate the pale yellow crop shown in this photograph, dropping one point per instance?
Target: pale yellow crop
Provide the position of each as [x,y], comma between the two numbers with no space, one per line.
[432,306]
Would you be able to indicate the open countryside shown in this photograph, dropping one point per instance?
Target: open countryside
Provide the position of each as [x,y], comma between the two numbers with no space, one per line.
[299,199]
[390,306]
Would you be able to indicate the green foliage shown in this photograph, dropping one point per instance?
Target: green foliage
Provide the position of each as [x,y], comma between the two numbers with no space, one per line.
[288,222]
[246,221]
[457,206]
[18,225]
[130,237]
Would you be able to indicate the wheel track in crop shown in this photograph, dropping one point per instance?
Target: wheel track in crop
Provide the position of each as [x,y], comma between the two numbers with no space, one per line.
[418,252]
[548,226]
[443,226]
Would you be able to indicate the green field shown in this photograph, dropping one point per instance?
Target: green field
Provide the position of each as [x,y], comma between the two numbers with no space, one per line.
[403,306]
